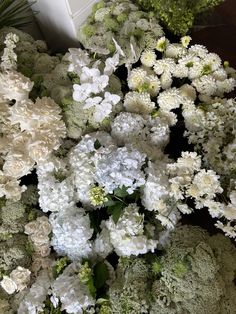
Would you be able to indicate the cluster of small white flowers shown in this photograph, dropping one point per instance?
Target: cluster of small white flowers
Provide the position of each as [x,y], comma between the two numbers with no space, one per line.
[38,232]
[9,57]
[92,83]
[71,233]
[73,294]
[127,235]
[18,280]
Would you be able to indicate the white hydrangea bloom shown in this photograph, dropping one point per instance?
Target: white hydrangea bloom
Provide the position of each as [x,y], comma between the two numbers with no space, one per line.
[54,195]
[127,126]
[119,167]
[72,293]
[33,302]
[127,235]
[102,244]
[71,233]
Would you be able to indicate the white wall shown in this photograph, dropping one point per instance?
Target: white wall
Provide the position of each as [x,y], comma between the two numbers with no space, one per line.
[59,20]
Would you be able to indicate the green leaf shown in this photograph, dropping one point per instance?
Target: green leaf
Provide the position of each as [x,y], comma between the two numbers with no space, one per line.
[97,144]
[121,192]
[101,274]
[116,211]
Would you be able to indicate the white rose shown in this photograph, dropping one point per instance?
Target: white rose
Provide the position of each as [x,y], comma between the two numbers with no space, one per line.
[43,250]
[21,277]
[31,227]
[44,225]
[8,285]
[39,238]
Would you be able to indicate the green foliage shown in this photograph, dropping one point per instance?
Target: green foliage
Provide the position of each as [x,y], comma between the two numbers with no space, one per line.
[60,265]
[86,277]
[178,15]
[15,13]
[100,274]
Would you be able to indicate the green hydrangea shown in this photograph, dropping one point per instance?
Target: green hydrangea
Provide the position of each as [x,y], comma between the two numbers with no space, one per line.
[123,21]
[178,15]
[195,273]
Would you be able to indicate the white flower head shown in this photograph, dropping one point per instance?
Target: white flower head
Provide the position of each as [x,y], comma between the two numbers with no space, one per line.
[185,40]
[8,285]
[148,58]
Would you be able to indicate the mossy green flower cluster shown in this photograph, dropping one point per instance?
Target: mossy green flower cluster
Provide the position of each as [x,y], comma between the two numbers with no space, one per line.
[178,16]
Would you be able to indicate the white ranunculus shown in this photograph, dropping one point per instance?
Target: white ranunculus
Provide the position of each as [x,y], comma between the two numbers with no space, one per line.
[21,277]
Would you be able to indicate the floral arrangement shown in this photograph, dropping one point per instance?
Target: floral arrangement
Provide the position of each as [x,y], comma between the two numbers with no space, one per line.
[93,188]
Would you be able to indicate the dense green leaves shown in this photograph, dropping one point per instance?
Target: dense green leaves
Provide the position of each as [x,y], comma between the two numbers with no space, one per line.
[100,274]
[15,13]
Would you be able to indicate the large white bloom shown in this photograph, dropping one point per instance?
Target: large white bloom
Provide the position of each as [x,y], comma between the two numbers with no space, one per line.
[127,235]
[71,233]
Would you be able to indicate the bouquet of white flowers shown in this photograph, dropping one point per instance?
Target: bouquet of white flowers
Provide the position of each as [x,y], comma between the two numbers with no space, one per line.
[93,185]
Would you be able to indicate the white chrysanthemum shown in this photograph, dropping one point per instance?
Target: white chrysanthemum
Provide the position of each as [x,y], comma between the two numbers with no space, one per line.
[205,184]
[138,103]
[188,91]
[136,78]
[185,40]
[119,167]
[164,65]
[188,163]
[198,50]
[225,86]
[154,85]
[213,60]
[170,99]
[175,51]
[205,85]
[71,233]
[73,294]
[148,58]
[181,71]
[162,44]
[127,235]
[14,85]
[127,126]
